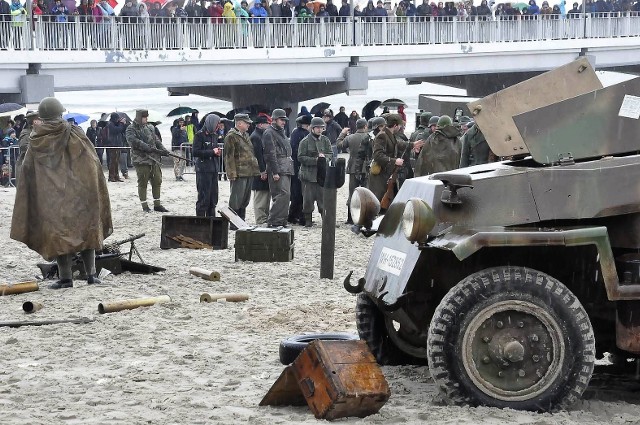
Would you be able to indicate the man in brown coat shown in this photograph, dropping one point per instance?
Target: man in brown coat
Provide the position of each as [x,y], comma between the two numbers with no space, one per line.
[388,150]
[62,204]
[240,163]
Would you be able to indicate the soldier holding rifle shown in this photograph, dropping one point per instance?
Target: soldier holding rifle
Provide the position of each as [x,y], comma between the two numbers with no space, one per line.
[146,153]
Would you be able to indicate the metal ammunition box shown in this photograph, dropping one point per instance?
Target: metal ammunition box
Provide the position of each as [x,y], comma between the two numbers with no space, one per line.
[264,244]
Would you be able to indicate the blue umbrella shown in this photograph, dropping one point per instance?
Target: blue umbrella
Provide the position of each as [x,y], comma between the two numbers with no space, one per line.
[79,118]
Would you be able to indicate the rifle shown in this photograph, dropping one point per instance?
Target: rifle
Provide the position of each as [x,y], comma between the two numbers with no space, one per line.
[391,183]
[390,193]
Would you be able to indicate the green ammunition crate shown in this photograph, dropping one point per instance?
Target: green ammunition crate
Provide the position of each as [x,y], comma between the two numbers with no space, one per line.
[261,244]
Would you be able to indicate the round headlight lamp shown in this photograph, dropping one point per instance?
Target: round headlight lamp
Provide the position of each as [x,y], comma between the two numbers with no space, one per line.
[364,207]
[417,220]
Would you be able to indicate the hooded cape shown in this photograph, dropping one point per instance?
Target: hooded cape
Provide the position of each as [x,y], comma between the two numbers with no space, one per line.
[62,202]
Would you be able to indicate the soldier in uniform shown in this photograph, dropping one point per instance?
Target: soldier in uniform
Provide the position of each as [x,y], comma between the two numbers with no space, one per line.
[352,143]
[62,204]
[277,155]
[314,146]
[260,186]
[423,127]
[474,148]
[240,163]
[206,154]
[441,152]
[364,156]
[146,153]
[388,150]
[300,132]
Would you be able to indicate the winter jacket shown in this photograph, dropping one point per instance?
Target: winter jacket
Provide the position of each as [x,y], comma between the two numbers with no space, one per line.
[203,144]
[308,152]
[332,131]
[386,149]
[146,148]
[475,149]
[258,151]
[441,152]
[178,137]
[296,137]
[277,151]
[116,137]
[239,159]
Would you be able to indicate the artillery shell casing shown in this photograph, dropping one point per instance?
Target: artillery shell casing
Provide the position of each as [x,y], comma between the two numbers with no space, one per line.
[205,274]
[31,307]
[132,304]
[19,288]
[231,298]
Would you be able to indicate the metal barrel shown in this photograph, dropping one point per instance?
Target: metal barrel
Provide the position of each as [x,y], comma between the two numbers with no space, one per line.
[31,307]
[19,288]
[132,304]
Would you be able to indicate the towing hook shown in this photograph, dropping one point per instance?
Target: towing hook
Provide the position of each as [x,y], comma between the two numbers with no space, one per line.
[353,289]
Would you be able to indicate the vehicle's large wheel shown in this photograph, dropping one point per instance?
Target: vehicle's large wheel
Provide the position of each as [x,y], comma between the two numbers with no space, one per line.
[511,337]
[385,338]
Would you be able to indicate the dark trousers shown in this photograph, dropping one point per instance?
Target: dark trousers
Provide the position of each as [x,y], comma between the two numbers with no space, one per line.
[114,161]
[207,185]
[295,208]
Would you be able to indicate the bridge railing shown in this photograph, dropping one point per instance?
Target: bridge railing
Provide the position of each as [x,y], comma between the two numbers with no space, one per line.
[121,33]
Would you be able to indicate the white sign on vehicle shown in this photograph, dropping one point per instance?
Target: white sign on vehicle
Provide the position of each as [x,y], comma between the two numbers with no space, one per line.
[391,261]
[630,107]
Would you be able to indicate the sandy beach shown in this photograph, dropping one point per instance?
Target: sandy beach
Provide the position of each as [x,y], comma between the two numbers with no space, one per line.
[190,363]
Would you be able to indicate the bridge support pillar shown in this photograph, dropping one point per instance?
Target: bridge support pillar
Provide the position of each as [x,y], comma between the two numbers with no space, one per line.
[35,87]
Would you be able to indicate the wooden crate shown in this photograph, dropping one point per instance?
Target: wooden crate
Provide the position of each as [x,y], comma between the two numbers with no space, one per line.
[213,231]
[336,378]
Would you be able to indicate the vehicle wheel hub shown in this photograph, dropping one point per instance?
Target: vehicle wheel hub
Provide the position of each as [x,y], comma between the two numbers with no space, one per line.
[513,350]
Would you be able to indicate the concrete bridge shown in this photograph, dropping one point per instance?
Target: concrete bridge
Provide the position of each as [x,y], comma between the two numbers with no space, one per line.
[283,63]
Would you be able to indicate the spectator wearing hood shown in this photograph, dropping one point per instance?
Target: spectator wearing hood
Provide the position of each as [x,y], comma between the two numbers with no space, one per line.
[380,12]
[215,12]
[533,8]
[331,9]
[206,154]
[258,13]
[345,10]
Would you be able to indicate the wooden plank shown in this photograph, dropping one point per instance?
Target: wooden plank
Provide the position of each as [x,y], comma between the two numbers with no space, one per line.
[285,391]
[234,218]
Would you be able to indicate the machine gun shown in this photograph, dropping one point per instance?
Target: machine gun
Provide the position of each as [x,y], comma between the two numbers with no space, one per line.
[110,252]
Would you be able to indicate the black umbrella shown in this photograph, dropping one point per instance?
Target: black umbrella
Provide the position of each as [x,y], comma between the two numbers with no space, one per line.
[369,110]
[181,110]
[251,110]
[9,109]
[318,109]
[393,103]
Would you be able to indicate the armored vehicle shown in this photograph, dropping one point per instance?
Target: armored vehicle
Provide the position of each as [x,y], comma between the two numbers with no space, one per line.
[510,278]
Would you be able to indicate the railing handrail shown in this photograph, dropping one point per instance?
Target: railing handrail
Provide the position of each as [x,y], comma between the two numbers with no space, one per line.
[130,33]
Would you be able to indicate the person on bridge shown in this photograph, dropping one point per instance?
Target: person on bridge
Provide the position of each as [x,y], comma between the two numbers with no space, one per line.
[207,153]
[146,152]
[240,164]
[277,155]
[62,203]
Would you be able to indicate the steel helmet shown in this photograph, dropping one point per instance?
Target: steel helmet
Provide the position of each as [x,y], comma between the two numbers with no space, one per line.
[317,122]
[444,121]
[279,113]
[50,108]
[377,122]
[433,120]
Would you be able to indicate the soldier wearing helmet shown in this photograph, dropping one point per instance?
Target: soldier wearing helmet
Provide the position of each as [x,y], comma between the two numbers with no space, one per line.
[315,145]
[58,223]
[352,143]
[441,152]
[277,156]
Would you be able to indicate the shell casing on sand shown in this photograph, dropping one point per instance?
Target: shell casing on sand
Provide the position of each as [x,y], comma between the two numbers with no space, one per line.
[232,298]
[31,307]
[19,288]
[132,304]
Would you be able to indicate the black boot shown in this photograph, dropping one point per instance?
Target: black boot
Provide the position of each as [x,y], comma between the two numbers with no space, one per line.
[349,219]
[62,283]
[307,220]
[160,208]
[92,279]
[242,212]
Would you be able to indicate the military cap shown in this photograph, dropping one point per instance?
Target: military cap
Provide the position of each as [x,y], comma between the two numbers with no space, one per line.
[444,121]
[304,119]
[464,119]
[279,113]
[242,117]
[361,123]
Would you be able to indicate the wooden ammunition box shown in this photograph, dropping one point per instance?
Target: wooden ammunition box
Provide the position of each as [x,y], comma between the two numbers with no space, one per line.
[261,244]
[212,231]
[336,378]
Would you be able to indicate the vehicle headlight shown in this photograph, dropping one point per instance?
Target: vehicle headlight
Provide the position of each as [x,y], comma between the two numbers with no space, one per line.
[364,207]
[417,220]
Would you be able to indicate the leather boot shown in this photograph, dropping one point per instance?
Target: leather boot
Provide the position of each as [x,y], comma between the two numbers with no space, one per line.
[349,219]
[62,283]
[93,280]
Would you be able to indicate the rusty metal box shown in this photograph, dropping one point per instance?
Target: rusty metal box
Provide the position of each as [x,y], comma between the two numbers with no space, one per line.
[212,231]
[263,244]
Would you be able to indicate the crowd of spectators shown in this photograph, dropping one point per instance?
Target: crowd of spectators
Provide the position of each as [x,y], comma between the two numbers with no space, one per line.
[259,11]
